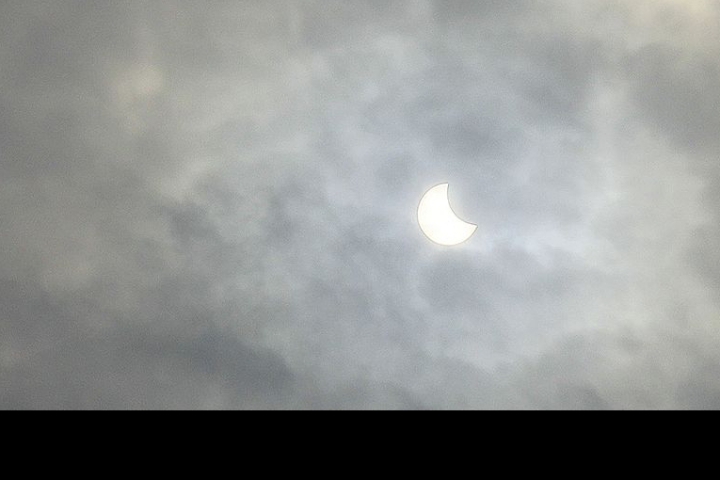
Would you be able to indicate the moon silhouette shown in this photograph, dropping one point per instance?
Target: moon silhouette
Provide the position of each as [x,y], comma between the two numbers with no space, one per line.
[438,221]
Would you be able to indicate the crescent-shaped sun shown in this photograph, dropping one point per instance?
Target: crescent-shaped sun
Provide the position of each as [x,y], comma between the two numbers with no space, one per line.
[438,221]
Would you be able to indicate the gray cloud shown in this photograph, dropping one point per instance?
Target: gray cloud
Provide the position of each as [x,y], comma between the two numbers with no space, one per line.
[212,206]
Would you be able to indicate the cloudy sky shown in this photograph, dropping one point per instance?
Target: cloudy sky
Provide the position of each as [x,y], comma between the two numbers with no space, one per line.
[213,204]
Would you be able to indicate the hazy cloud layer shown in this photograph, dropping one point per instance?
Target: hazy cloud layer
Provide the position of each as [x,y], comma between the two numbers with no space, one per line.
[212,205]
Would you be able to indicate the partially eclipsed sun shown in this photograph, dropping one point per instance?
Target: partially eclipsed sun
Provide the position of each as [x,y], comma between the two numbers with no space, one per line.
[438,221]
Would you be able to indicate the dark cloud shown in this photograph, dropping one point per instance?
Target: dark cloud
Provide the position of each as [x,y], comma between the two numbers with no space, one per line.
[679,91]
[701,390]
[213,206]
[211,370]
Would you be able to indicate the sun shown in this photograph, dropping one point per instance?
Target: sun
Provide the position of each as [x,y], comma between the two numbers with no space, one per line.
[438,221]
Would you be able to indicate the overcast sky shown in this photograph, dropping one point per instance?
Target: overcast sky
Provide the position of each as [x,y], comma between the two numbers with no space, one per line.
[213,204]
